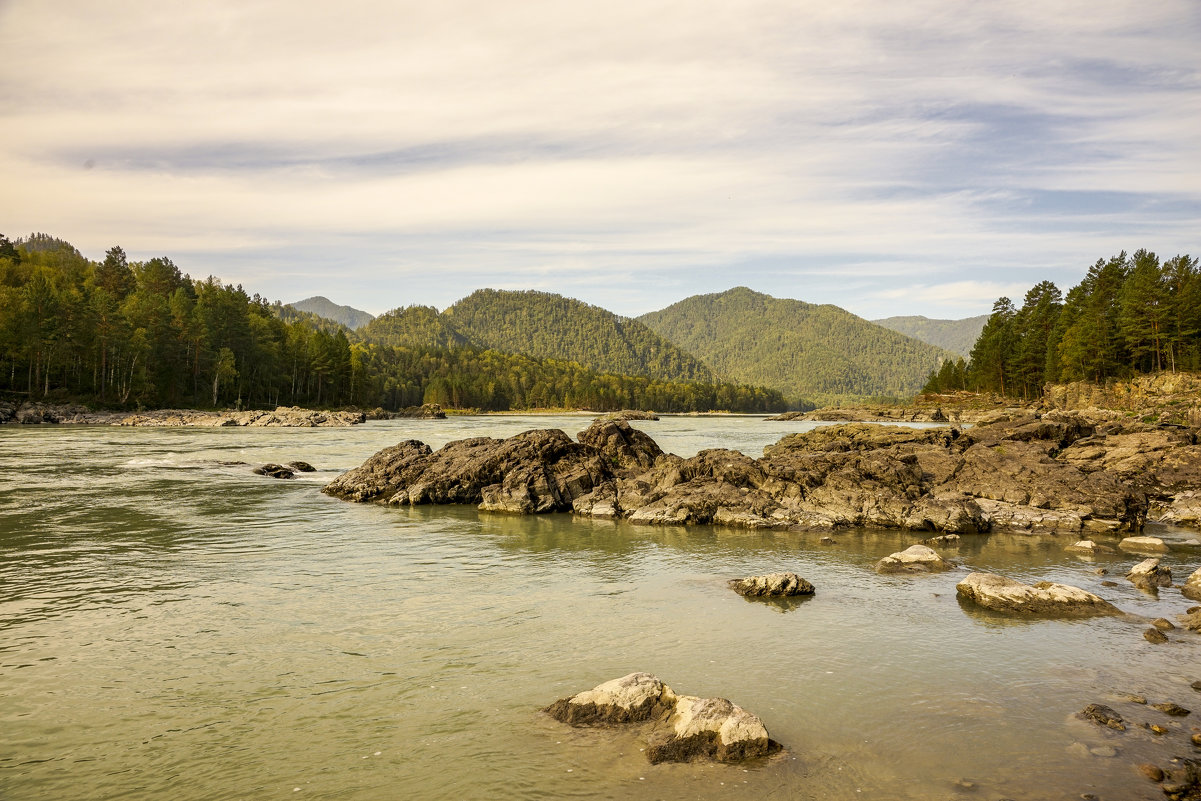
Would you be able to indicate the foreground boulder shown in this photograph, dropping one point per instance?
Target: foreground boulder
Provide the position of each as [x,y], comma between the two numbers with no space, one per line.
[1192,587]
[1002,594]
[680,728]
[772,585]
[914,559]
[1150,575]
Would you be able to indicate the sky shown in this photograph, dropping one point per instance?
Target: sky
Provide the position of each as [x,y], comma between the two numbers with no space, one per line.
[917,157]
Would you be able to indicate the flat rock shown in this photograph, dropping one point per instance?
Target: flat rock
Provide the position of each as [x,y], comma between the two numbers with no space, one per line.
[914,559]
[1002,594]
[1143,545]
[1087,547]
[772,585]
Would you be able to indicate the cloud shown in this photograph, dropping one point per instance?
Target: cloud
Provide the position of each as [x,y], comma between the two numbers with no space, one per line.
[831,153]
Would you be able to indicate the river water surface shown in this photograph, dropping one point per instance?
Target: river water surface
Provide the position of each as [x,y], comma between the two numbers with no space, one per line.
[173,626]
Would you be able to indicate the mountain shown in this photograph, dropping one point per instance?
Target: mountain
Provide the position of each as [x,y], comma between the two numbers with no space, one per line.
[412,327]
[818,353]
[549,326]
[324,307]
[957,336]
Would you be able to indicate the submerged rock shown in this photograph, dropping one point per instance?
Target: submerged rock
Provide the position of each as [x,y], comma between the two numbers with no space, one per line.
[680,728]
[772,585]
[1173,709]
[1045,598]
[1103,716]
[1154,635]
[914,559]
[1182,780]
[1087,547]
[1150,575]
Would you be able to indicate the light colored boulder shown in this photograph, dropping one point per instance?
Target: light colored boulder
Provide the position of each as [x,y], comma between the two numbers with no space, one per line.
[1002,594]
[1192,587]
[710,728]
[1143,545]
[914,559]
[1087,547]
[1150,575]
[630,699]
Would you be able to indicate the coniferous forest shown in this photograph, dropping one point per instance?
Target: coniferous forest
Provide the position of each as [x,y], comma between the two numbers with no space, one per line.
[1130,315]
[121,334]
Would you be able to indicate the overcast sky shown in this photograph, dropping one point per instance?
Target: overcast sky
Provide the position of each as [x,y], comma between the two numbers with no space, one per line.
[915,157]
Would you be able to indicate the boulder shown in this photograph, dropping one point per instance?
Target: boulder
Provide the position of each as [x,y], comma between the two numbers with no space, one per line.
[302,467]
[1155,636]
[1175,710]
[1150,575]
[1192,587]
[274,471]
[426,411]
[1143,545]
[772,585]
[1002,594]
[680,728]
[1103,716]
[914,559]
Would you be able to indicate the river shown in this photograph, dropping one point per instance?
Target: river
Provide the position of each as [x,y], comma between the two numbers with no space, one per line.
[174,626]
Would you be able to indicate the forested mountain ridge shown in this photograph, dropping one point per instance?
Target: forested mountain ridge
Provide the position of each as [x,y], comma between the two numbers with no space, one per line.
[817,353]
[121,333]
[957,336]
[412,327]
[321,306]
[546,325]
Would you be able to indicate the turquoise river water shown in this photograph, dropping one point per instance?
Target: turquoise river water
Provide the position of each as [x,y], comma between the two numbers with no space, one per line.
[174,627]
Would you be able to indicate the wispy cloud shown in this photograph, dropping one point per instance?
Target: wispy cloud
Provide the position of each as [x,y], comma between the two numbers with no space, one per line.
[871,154]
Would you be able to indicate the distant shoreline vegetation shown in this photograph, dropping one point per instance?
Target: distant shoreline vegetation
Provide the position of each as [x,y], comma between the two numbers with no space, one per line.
[1130,315]
[119,334]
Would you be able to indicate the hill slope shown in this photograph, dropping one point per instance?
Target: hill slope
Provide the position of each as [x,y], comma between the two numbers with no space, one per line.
[324,307]
[412,327]
[819,353]
[957,336]
[545,325]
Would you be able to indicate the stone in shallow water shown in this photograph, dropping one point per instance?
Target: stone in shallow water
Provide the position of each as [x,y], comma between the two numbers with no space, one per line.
[1169,708]
[1150,575]
[275,471]
[1143,545]
[772,585]
[914,559]
[1002,594]
[1155,635]
[1103,716]
[681,728]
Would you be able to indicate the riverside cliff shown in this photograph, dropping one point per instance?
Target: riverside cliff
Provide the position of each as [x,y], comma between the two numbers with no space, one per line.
[1050,473]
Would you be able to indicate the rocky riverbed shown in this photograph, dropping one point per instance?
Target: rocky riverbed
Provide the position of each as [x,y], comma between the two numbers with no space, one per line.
[281,417]
[1050,473]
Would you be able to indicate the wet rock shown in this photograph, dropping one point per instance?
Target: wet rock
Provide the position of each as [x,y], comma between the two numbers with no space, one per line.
[1191,620]
[1182,780]
[914,559]
[1109,584]
[274,471]
[1087,547]
[943,541]
[709,729]
[1169,708]
[1155,636]
[1002,594]
[1152,772]
[826,541]
[1150,575]
[630,699]
[1103,716]
[772,585]
[1162,623]
[1103,751]
[681,728]
[1196,685]
[1136,699]
[1196,738]
[1192,587]
[1143,545]
[1155,728]
[302,467]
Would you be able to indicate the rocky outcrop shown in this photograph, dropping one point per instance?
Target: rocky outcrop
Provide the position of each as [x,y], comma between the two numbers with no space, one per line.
[772,585]
[1002,594]
[1025,475]
[281,417]
[426,411]
[679,728]
[1192,587]
[914,559]
[1150,575]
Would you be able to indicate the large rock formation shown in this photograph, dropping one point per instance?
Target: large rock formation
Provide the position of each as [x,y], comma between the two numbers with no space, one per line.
[680,728]
[1026,475]
[1002,594]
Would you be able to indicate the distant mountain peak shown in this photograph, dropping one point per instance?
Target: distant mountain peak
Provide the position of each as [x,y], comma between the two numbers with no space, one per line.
[322,306]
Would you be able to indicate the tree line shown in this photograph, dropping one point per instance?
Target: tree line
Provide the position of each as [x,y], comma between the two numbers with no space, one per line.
[120,333]
[1129,315]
